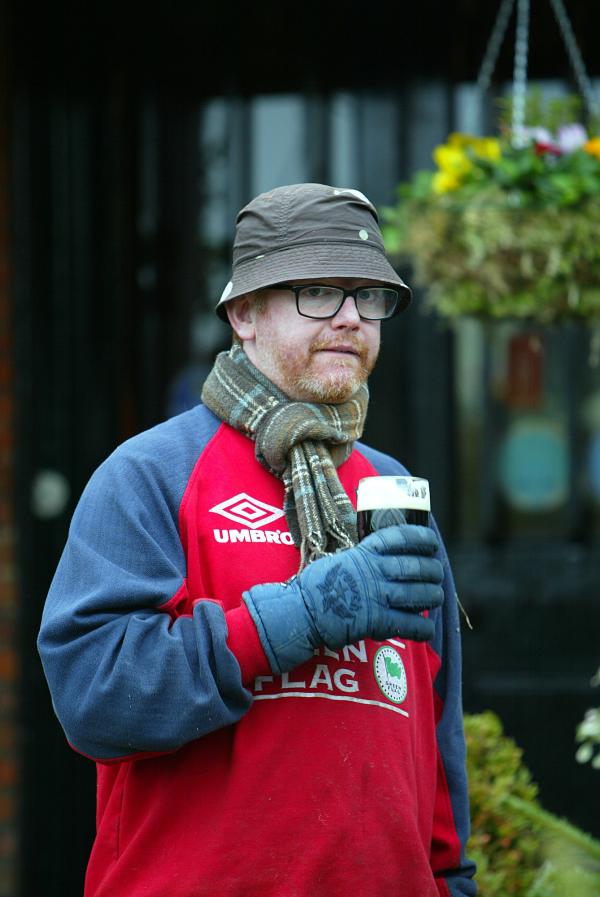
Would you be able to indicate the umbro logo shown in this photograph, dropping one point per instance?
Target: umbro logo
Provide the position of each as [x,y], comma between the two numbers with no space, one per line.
[251,512]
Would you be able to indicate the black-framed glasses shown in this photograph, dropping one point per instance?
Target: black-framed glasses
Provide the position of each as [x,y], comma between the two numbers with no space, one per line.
[321,301]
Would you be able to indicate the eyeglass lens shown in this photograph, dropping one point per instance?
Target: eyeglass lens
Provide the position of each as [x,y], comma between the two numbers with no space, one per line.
[372,303]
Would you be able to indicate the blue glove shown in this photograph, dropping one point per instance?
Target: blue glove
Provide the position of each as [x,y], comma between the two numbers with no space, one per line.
[374,590]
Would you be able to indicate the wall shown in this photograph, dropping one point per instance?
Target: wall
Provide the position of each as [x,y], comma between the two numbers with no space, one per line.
[9,772]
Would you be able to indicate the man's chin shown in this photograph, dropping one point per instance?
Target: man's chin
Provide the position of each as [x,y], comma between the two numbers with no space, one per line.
[332,389]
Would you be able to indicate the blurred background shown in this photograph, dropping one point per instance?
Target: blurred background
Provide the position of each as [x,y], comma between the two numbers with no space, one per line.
[130,136]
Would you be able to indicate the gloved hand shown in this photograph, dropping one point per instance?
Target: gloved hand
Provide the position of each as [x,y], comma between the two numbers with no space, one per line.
[374,590]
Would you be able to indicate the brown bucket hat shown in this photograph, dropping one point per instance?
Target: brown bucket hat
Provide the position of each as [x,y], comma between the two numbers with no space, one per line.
[308,230]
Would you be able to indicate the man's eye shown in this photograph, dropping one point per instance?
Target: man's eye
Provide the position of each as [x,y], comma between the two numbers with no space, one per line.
[316,292]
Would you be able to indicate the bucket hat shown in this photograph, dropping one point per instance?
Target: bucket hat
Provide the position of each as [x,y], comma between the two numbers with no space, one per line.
[305,231]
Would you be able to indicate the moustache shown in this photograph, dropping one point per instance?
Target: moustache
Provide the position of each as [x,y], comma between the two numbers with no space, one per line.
[351,343]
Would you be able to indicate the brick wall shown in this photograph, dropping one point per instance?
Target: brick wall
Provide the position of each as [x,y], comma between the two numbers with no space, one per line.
[9,773]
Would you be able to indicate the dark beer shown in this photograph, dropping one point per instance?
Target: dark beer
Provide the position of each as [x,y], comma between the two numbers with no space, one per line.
[387,501]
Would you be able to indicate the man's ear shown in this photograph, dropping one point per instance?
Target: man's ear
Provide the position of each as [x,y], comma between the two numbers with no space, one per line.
[241,313]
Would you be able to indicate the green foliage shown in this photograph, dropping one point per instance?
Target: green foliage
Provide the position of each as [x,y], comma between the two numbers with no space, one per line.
[505,846]
[520,848]
[548,111]
[490,259]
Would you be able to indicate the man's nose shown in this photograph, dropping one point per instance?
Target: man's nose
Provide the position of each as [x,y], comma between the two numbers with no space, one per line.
[348,315]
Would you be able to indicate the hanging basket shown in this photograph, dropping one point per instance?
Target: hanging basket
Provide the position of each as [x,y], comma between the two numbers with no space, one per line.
[508,227]
[513,236]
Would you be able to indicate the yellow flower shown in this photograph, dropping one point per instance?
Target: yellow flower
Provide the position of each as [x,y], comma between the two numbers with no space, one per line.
[452,160]
[593,147]
[482,147]
[455,159]
[461,140]
[444,182]
[487,148]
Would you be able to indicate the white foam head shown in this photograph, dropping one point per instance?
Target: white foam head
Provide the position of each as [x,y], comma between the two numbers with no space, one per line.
[393,492]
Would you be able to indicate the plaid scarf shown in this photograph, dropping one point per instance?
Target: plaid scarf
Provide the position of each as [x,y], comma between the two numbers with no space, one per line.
[301,443]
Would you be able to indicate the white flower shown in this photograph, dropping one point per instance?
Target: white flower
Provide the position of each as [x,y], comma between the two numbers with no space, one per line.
[571,138]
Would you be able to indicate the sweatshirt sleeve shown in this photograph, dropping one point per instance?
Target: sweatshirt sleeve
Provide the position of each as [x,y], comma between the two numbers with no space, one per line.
[124,676]
[453,871]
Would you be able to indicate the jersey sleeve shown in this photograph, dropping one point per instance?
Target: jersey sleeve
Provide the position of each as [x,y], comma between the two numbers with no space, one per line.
[125,677]
[452,870]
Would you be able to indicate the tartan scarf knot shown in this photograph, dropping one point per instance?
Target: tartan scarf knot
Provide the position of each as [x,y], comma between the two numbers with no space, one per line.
[301,443]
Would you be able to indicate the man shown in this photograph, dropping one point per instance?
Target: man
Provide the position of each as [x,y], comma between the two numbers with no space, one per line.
[274,709]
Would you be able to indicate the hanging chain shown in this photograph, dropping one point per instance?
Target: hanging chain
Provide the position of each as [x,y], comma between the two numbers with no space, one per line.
[521,59]
[585,85]
[495,42]
[520,73]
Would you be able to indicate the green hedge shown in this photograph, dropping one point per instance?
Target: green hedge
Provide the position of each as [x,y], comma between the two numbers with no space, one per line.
[520,848]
